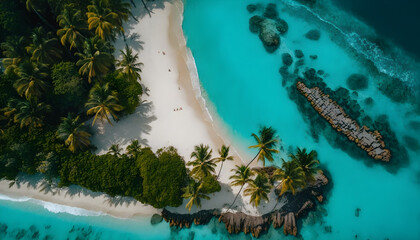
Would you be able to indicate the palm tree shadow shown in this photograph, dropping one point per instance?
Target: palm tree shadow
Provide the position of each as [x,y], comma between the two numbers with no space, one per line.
[139,11]
[120,201]
[134,126]
[75,190]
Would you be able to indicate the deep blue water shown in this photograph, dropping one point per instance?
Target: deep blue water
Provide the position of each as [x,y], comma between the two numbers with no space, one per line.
[395,20]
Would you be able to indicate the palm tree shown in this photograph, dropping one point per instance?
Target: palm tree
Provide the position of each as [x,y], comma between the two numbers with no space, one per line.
[241,176]
[258,189]
[30,83]
[291,175]
[223,156]
[307,161]
[94,62]
[37,6]
[103,102]
[122,9]
[31,114]
[43,49]
[129,64]
[203,164]
[134,148]
[14,50]
[74,133]
[266,142]
[71,23]
[102,19]
[115,150]
[194,192]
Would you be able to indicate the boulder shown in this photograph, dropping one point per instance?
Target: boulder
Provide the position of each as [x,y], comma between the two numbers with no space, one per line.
[313,57]
[255,24]
[251,8]
[156,218]
[299,53]
[269,35]
[271,11]
[282,26]
[287,59]
[313,34]
[357,82]
[368,101]
[411,143]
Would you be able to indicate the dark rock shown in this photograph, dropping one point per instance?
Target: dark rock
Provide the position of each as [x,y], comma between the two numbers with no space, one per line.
[320,72]
[357,212]
[354,94]
[299,53]
[342,92]
[271,11]
[156,218]
[415,125]
[411,143]
[281,26]
[191,235]
[251,8]
[369,101]
[313,35]
[287,59]
[300,63]
[3,228]
[313,57]
[255,24]
[328,229]
[395,89]
[357,82]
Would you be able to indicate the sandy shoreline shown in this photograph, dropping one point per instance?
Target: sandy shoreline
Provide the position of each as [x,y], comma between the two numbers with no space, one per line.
[156,123]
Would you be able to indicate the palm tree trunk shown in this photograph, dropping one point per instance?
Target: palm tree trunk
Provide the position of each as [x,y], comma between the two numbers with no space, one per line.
[43,19]
[236,196]
[147,9]
[253,158]
[220,170]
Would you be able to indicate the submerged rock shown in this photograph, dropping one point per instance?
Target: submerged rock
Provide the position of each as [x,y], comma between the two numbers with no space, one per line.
[411,143]
[271,11]
[357,212]
[395,89]
[254,24]
[369,101]
[357,81]
[251,8]
[282,26]
[269,35]
[156,218]
[287,59]
[415,125]
[313,35]
[299,53]
[314,57]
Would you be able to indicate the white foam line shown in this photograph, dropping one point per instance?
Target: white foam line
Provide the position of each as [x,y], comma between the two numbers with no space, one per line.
[53,207]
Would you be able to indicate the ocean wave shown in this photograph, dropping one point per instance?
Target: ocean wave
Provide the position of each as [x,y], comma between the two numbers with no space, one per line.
[395,64]
[14,199]
[53,207]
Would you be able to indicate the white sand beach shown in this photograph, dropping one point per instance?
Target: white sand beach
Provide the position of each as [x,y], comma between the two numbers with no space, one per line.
[170,116]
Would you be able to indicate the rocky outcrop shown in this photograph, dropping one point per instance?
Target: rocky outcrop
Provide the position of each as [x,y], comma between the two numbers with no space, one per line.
[269,27]
[370,141]
[296,207]
[313,35]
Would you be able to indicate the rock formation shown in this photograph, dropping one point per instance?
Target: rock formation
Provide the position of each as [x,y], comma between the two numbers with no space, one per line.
[269,27]
[370,141]
[296,207]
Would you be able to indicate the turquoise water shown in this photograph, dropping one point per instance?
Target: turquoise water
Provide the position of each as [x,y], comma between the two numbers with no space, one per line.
[243,87]
[243,84]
